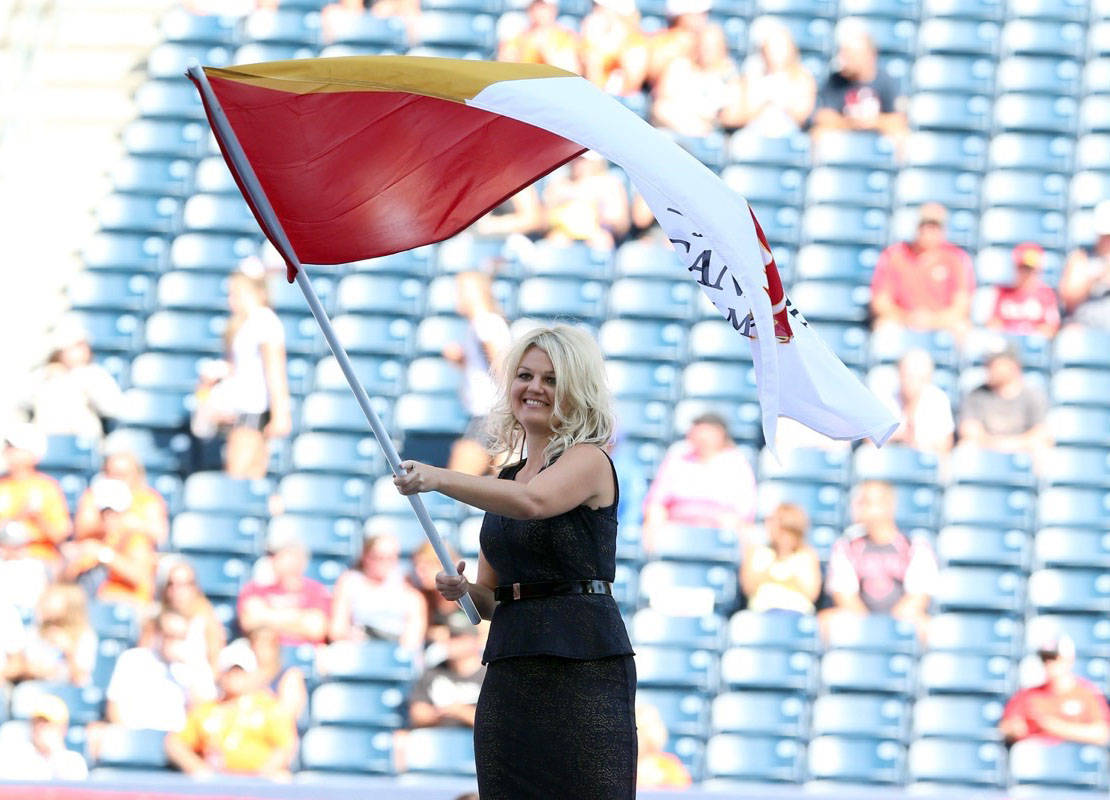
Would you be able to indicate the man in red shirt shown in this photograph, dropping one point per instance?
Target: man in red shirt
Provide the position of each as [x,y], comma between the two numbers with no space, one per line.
[288,601]
[925,284]
[1065,708]
[1029,305]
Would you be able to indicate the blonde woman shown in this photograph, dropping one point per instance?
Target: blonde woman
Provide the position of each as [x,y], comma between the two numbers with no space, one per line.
[556,716]
[179,592]
[785,573]
[62,646]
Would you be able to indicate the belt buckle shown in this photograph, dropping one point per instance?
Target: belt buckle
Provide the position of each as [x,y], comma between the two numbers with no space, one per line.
[516,591]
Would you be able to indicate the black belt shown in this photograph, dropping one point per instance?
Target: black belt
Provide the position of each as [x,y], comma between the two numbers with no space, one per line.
[529,591]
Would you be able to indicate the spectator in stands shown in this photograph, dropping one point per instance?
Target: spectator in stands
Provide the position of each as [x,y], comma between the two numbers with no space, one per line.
[685,20]
[23,578]
[43,756]
[154,686]
[287,682]
[785,573]
[205,637]
[858,94]
[72,394]
[520,215]
[13,641]
[148,507]
[1029,305]
[543,41]
[1006,413]
[923,407]
[113,556]
[586,202]
[283,597]
[874,568]
[479,356]
[1065,708]
[446,695]
[704,480]
[696,93]
[1085,285]
[925,284]
[777,92]
[438,609]
[613,50]
[374,601]
[656,768]
[62,646]
[33,509]
[245,732]
[250,394]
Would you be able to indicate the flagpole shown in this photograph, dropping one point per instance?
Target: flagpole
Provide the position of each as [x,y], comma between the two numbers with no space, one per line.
[251,185]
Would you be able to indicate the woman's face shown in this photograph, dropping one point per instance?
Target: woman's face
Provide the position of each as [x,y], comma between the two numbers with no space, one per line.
[532,392]
[380,561]
[181,586]
[241,296]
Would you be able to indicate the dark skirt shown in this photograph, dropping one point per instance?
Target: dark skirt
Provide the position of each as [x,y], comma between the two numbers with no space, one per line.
[549,727]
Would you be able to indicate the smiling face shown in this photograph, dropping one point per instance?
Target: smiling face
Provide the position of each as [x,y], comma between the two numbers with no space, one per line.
[532,393]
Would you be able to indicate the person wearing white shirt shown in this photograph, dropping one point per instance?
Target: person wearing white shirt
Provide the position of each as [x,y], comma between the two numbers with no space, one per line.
[42,754]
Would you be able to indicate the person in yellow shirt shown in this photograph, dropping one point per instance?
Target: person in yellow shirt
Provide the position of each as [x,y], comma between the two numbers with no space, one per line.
[33,509]
[246,732]
[656,768]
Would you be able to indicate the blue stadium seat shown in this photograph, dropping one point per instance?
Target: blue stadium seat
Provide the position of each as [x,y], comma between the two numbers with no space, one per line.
[1043,38]
[334,748]
[759,630]
[709,379]
[643,420]
[564,298]
[325,495]
[1082,347]
[147,409]
[784,186]
[217,213]
[812,34]
[852,671]
[832,301]
[368,31]
[220,575]
[85,704]
[358,704]
[340,412]
[1071,548]
[769,713]
[1089,633]
[211,252]
[836,225]
[1060,10]
[1092,152]
[788,151]
[379,375]
[169,61]
[847,263]
[979,589]
[257,52]
[213,177]
[1080,427]
[1025,189]
[1042,152]
[660,578]
[992,506]
[463,30]
[118,621]
[120,747]
[1034,762]
[677,668]
[781,224]
[337,453]
[746,668]
[1073,507]
[430,413]
[836,758]
[805,464]
[186,27]
[965,673]
[1088,188]
[854,149]
[951,762]
[714,339]
[168,100]
[973,546]
[990,634]
[893,35]
[1069,590]
[385,499]
[125,252]
[754,758]
[973,465]
[954,151]
[651,627]
[65,452]
[957,74]
[440,751]
[1099,34]
[572,260]
[688,543]
[860,715]
[185,332]
[153,175]
[1035,113]
[139,214]
[111,330]
[1038,75]
[893,9]
[214,491]
[986,11]
[848,186]
[684,712]
[189,291]
[873,632]
[895,464]
[951,188]
[824,503]
[323,536]
[379,335]
[282,26]
[380,294]
[642,379]
[971,717]
[1081,387]
[169,372]
[169,138]
[948,111]
[209,532]
[366,661]
[640,258]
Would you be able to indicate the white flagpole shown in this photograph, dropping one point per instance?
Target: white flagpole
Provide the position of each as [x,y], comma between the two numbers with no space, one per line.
[258,197]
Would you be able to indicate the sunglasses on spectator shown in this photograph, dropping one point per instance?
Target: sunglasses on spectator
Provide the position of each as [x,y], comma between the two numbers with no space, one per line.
[1048,655]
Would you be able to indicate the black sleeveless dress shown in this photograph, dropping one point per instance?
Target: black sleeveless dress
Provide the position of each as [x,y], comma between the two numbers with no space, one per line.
[556,715]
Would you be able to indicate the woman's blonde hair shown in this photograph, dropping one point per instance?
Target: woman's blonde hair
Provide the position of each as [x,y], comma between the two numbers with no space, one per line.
[582,412]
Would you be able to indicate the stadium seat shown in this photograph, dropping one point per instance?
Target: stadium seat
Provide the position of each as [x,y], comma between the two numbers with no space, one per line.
[688,543]
[214,491]
[183,331]
[124,252]
[750,668]
[839,225]
[366,661]
[324,495]
[642,379]
[148,409]
[1071,548]
[894,464]
[972,465]
[218,213]
[986,11]
[852,671]
[823,503]
[789,151]
[716,340]
[1089,633]
[1010,226]
[979,589]
[677,668]
[1033,113]
[337,453]
[333,748]
[937,150]
[257,52]
[847,263]
[646,259]
[385,499]
[167,372]
[952,762]
[118,621]
[967,717]
[805,464]
[120,747]
[784,186]
[380,294]
[1081,387]
[1025,188]
[973,546]
[1038,75]
[854,149]
[139,214]
[562,298]
[153,175]
[1080,427]
[873,632]
[652,627]
[213,176]
[111,292]
[322,536]
[860,715]
[708,379]
[168,100]
[965,673]
[208,532]
[282,26]
[754,758]
[952,189]
[378,335]
[169,61]
[440,751]
[665,582]
[848,186]
[379,375]
[167,138]
[65,452]
[956,74]
[458,30]
[85,703]
[768,713]
[220,575]
[1065,764]
[367,31]
[1069,590]
[996,507]
[186,27]
[989,634]
[358,704]
[189,291]
[1073,507]
[837,758]
[947,111]
[211,252]
[645,339]
[340,412]
[1092,152]
[788,632]
[571,260]
[1043,38]
[684,712]
[1042,152]
[780,224]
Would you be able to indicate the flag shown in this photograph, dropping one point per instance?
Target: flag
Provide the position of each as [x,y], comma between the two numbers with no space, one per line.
[369,155]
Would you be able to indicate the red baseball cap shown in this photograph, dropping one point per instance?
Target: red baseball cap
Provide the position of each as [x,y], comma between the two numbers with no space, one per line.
[1029,254]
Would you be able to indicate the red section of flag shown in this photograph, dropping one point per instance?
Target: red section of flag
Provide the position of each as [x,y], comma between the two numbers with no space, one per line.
[354,175]
[775,291]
